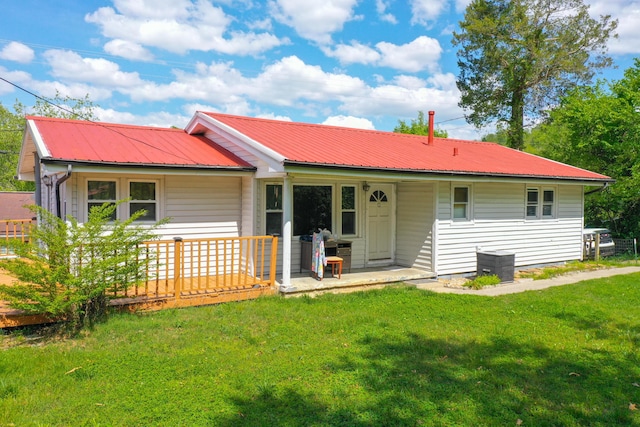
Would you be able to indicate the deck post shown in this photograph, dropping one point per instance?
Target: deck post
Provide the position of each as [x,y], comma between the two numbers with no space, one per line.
[272,263]
[177,266]
[287,232]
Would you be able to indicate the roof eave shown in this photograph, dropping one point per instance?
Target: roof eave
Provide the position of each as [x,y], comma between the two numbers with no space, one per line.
[442,173]
[53,161]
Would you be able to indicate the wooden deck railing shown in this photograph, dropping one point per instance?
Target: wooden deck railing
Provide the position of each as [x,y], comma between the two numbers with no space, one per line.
[181,268]
[18,229]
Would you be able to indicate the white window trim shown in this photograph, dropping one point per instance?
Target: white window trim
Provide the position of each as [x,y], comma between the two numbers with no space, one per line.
[122,192]
[159,213]
[354,210]
[85,207]
[268,211]
[540,205]
[469,216]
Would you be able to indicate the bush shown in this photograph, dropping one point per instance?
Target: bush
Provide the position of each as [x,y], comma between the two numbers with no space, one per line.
[66,269]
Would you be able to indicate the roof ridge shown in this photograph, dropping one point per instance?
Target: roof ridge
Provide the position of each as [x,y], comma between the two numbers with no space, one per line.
[98,123]
[324,126]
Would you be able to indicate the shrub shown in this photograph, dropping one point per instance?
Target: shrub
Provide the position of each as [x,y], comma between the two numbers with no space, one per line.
[66,269]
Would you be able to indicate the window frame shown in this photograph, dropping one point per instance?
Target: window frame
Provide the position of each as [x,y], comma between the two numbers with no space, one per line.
[268,211]
[467,204]
[541,203]
[156,201]
[342,210]
[88,201]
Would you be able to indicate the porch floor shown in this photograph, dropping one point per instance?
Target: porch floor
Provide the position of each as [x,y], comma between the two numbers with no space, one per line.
[357,279]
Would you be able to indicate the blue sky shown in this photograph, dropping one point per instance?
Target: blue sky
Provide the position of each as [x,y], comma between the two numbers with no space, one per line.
[364,63]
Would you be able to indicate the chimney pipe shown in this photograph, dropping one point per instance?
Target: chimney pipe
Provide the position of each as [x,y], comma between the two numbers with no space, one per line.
[430,138]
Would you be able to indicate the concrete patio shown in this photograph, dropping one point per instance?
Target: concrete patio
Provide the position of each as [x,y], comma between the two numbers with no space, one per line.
[356,279]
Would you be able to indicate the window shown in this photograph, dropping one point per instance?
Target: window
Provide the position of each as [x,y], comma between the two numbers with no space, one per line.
[548,204]
[273,209]
[312,208]
[461,203]
[348,209]
[532,203]
[100,192]
[143,197]
[537,208]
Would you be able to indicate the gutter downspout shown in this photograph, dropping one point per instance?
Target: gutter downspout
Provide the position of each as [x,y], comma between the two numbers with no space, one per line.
[597,190]
[37,178]
[60,181]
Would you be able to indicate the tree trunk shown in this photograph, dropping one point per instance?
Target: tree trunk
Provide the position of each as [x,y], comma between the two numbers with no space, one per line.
[515,133]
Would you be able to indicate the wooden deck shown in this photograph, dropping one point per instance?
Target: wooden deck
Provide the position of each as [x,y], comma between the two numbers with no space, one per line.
[138,299]
[187,273]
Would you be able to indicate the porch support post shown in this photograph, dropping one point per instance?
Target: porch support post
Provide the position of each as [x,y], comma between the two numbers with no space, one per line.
[287,229]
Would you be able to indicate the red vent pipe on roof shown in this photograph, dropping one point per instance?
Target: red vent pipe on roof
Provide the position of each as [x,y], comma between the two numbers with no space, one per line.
[430,137]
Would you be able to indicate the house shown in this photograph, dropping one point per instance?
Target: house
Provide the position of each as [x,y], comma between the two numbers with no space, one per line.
[15,216]
[13,205]
[405,200]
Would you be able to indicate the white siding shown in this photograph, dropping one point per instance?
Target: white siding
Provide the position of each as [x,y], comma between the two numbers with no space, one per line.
[498,223]
[199,207]
[415,216]
[203,207]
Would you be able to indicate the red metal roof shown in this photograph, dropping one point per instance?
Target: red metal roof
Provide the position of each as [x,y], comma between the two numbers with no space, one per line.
[303,143]
[95,142]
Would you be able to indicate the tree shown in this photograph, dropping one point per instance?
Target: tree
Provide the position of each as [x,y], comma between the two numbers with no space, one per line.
[598,128]
[418,127]
[67,268]
[12,128]
[518,57]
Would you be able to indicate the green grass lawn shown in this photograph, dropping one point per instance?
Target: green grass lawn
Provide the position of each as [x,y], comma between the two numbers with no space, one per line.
[566,356]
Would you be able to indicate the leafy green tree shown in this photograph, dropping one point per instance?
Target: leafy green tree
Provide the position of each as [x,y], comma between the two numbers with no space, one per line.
[12,128]
[501,136]
[418,127]
[598,128]
[68,269]
[66,107]
[517,57]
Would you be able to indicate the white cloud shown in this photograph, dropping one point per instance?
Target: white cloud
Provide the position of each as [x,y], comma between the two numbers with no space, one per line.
[290,79]
[20,78]
[409,82]
[350,122]
[49,89]
[263,24]
[272,116]
[405,101]
[426,11]
[628,15]
[72,67]
[461,5]
[354,53]
[628,41]
[183,26]
[18,52]
[381,8]
[127,50]
[159,118]
[314,20]
[421,54]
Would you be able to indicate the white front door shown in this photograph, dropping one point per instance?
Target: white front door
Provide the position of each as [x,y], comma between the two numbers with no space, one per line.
[380,221]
